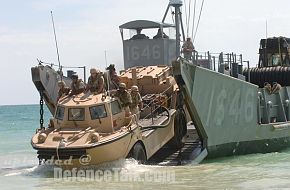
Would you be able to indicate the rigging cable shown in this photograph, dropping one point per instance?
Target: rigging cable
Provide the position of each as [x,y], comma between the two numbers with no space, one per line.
[189,14]
[193,22]
[186,17]
[198,21]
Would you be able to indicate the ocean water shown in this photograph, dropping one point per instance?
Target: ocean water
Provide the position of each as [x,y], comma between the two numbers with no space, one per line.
[19,166]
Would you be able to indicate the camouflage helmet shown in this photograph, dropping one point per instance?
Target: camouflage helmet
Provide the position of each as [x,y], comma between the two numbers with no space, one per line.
[61,83]
[134,89]
[122,85]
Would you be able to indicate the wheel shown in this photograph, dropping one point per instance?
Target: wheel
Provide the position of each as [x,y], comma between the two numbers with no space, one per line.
[180,129]
[183,122]
[138,153]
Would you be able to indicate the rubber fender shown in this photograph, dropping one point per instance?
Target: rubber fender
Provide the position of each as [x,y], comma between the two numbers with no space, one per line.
[278,74]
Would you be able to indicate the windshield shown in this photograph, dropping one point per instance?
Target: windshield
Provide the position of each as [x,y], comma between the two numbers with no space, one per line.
[150,33]
[116,107]
[98,112]
[59,113]
[76,114]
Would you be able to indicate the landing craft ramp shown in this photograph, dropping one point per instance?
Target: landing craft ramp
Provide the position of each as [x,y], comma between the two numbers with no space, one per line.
[191,152]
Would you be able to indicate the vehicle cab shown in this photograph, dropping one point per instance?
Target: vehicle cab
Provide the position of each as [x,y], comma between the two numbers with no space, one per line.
[274,52]
[99,112]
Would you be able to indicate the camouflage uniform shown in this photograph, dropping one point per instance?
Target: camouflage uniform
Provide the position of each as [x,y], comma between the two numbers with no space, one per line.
[62,91]
[97,84]
[187,49]
[136,102]
[77,87]
[114,78]
[111,78]
[125,98]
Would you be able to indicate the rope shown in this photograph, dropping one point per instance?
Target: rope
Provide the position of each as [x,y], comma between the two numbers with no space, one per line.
[72,140]
[156,108]
[130,130]
[198,21]
[161,94]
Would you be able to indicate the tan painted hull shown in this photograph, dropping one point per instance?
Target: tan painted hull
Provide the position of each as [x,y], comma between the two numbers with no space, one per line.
[108,152]
[119,148]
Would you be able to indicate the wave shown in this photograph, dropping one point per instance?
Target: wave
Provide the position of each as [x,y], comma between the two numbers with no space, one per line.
[125,165]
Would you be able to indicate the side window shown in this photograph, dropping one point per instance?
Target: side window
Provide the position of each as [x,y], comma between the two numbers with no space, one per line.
[98,112]
[59,113]
[116,107]
[76,114]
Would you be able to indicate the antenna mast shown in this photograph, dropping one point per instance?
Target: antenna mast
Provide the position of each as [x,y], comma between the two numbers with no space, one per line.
[55,39]
[178,20]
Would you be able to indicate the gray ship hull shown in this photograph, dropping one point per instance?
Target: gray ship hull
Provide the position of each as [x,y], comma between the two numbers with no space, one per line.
[233,116]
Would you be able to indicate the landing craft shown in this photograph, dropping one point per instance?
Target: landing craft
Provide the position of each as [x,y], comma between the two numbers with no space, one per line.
[232,112]
[239,111]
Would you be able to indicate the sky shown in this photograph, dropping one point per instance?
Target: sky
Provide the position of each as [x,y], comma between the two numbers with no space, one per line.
[86,28]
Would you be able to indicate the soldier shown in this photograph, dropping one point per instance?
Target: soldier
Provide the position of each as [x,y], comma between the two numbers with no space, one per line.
[276,87]
[268,87]
[63,90]
[95,82]
[136,101]
[114,79]
[125,98]
[160,35]
[77,85]
[187,49]
[139,36]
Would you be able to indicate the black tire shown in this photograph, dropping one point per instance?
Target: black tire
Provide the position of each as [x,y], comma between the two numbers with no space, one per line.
[180,129]
[138,153]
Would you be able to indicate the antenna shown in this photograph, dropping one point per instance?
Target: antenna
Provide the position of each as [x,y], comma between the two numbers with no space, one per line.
[265,48]
[55,40]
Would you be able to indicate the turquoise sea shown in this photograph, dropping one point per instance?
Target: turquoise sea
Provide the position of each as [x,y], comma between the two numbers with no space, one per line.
[19,166]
